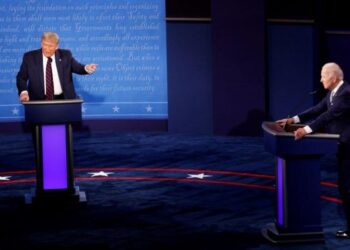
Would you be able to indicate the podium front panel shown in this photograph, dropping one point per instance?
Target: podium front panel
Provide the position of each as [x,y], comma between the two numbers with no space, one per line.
[280,180]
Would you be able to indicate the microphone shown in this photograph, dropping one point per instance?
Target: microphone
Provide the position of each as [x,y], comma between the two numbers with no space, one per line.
[302,101]
[299,104]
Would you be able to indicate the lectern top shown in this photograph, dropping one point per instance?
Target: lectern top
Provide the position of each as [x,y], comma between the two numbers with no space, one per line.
[45,102]
[276,130]
[53,112]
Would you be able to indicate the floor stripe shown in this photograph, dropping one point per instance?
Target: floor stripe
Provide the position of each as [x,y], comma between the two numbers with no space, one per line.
[229,183]
[133,178]
[179,170]
[175,170]
[333,199]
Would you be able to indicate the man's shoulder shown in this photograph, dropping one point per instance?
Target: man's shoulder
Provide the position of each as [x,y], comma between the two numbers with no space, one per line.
[345,88]
[32,53]
[64,52]
[344,91]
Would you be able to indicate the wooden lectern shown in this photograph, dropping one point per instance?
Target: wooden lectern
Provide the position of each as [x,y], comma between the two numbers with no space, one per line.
[298,205]
[52,121]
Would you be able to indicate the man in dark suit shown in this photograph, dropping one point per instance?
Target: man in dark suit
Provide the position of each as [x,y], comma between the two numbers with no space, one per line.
[332,115]
[33,75]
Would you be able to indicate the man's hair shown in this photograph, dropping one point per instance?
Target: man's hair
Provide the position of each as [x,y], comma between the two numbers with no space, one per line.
[335,70]
[50,36]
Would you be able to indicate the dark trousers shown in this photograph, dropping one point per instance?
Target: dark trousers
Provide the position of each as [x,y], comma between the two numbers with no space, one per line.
[344,178]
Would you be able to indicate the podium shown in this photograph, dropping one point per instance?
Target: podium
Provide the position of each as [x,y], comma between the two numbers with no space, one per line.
[52,125]
[298,204]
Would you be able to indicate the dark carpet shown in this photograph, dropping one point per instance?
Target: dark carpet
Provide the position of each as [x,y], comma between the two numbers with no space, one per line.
[151,198]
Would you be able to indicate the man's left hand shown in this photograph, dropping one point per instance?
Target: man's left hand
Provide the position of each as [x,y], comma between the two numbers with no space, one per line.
[90,68]
[299,133]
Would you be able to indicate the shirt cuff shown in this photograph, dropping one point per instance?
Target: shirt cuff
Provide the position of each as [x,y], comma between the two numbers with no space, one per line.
[307,129]
[24,92]
[296,119]
[88,71]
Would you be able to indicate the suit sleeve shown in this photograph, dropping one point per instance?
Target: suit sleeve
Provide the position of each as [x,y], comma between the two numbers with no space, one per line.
[76,66]
[22,76]
[340,108]
[314,112]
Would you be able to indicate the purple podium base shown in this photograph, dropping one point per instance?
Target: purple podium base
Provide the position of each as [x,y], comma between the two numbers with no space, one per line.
[54,198]
[272,234]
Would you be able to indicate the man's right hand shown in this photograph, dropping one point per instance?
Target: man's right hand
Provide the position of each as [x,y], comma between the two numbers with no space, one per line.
[24,97]
[284,122]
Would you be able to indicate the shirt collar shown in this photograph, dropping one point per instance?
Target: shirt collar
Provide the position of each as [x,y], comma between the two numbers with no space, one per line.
[336,88]
[45,58]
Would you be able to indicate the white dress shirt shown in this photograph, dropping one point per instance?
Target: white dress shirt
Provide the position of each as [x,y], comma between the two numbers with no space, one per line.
[56,80]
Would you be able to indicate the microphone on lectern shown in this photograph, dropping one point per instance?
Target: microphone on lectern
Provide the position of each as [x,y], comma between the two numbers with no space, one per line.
[302,101]
[299,104]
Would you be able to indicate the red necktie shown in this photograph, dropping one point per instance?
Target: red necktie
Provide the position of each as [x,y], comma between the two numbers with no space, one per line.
[49,80]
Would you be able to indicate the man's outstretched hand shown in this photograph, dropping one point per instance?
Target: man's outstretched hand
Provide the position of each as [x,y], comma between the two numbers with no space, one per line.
[284,122]
[90,68]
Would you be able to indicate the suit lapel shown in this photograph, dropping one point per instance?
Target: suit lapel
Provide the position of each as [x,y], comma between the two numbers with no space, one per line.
[340,90]
[59,65]
[338,93]
[328,96]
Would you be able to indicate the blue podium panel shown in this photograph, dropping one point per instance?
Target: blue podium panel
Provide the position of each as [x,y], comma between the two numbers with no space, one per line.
[298,207]
[298,189]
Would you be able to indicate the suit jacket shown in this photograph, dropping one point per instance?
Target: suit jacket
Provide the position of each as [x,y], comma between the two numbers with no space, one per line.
[331,117]
[31,74]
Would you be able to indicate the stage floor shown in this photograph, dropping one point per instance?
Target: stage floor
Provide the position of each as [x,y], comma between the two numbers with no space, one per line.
[155,191]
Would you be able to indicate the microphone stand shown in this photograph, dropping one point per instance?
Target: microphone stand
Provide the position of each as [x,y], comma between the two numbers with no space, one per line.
[299,104]
[302,101]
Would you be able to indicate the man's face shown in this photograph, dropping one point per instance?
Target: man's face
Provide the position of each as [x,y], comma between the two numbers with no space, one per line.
[328,80]
[49,47]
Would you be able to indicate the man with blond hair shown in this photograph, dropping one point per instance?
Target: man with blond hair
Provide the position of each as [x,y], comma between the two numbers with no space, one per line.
[46,73]
[332,115]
